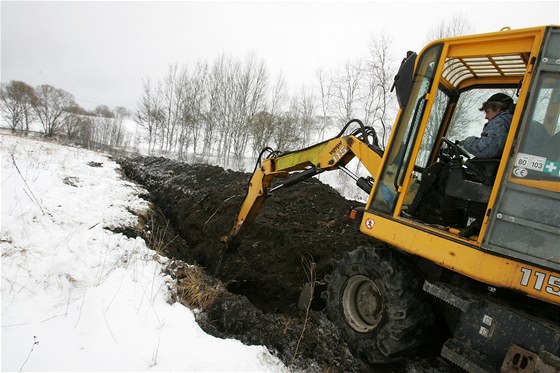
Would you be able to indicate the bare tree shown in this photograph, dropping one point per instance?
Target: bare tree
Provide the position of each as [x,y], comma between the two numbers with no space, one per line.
[346,92]
[121,112]
[262,128]
[306,115]
[219,118]
[118,130]
[103,111]
[17,99]
[264,122]
[198,102]
[379,102]
[51,107]
[212,115]
[74,123]
[325,100]
[174,93]
[286,132]
[456,26]
[461,118]
[149,114]
[192,109]
[102,130]
[236,94]
[251,84]
[86,132]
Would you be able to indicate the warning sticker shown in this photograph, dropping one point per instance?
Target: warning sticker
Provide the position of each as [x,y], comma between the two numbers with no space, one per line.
[531,162]
[524,162]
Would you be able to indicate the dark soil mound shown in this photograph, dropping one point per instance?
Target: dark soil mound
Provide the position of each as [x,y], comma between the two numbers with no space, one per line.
[262,270]
[308,220]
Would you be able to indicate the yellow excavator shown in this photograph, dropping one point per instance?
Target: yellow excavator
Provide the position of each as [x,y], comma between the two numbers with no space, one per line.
[473,241]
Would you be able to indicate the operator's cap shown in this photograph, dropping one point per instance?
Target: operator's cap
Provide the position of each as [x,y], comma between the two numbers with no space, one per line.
[497,98]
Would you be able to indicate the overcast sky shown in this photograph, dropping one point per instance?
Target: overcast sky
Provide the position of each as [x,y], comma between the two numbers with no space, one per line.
[101,51]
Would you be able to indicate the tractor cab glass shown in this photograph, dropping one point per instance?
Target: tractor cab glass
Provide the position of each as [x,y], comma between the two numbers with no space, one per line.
[539,151]
[404,138]
[427,176]
[525,220]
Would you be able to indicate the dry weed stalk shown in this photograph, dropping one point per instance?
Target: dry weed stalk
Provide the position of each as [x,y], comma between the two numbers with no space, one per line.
[155,354]
[311,274]
[35,342]
[32,197]
[218,209]
[157,241]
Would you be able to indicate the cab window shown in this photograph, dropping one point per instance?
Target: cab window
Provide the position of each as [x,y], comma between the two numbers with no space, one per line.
[467,119]
[538,157]
[405,133]
[435,120]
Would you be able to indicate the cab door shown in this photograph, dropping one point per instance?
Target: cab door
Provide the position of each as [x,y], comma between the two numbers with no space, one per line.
[398,155]
[525,220]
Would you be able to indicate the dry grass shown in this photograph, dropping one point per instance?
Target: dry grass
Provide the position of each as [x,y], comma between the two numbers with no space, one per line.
[286,322]
[192,286]
[157,236]
[196,289]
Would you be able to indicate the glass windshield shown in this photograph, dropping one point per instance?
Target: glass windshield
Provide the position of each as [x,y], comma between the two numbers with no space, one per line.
[539,153]
[429,138]
[405,135]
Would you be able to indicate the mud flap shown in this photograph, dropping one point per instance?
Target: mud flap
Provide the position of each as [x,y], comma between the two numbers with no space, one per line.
[487,328]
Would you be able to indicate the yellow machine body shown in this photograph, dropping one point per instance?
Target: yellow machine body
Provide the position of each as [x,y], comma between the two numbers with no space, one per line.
[523,61]
[426,193]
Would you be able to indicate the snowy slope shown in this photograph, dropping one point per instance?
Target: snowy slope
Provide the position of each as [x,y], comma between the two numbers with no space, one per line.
[78,297]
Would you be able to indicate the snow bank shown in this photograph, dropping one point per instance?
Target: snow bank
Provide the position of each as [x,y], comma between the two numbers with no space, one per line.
[75,295]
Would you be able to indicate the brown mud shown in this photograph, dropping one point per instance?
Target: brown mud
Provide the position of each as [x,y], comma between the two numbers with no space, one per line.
[261,272]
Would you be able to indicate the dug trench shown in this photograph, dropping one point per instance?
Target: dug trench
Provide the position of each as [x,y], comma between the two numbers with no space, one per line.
[249,290]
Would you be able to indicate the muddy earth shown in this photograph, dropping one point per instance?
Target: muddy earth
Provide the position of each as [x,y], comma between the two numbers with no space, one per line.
[249,291]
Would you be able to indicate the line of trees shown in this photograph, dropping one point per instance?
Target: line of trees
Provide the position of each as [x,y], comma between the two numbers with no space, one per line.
[229,109]
[59,114]
[232,108]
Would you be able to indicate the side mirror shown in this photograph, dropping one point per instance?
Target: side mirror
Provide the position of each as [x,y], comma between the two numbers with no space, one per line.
[403,79]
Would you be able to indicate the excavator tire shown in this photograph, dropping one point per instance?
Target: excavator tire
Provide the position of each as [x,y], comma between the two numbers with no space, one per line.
[375,297]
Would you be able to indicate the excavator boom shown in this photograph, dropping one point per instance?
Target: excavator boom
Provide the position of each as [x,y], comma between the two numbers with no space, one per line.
[295,166]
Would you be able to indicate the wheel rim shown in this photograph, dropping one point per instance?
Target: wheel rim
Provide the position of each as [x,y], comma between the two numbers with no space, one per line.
[362,303]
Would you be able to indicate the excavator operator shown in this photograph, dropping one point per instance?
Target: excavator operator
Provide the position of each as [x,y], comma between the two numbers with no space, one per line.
[499,112]
[456,193]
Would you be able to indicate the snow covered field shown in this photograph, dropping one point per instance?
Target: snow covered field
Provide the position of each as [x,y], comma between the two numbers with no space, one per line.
[78,297]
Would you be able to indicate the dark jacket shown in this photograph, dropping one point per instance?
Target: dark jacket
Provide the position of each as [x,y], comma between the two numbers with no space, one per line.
[492,140]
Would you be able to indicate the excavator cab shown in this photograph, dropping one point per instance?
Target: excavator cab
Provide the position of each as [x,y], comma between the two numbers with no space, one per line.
[515,197]
[497,285]
[426,198]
